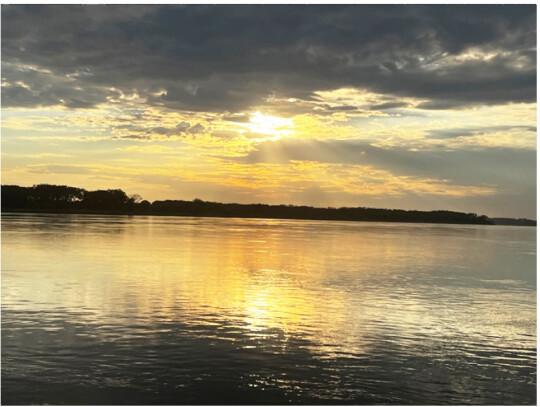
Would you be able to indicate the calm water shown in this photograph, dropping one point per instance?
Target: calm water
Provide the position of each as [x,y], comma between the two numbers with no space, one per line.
[172,310]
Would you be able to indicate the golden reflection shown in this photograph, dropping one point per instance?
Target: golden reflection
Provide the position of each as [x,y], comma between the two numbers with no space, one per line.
[337,284]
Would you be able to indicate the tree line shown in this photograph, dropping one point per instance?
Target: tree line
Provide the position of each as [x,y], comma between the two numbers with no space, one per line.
[61,198]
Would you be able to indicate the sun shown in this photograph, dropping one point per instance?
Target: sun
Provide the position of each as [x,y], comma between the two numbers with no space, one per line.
[276,127]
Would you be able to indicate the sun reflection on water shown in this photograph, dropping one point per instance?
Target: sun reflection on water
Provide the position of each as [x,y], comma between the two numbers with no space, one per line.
[323,285]
[336,290]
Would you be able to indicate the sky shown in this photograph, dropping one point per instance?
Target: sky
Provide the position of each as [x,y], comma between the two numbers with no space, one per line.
[395,106]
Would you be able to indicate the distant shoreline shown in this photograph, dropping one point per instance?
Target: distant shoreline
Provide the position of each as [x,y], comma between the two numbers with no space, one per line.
[503,221]
[46,198]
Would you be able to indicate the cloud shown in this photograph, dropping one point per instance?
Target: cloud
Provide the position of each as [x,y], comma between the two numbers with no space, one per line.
[146,149]
[198,128]
[229,58]
[30,87]
[468,132]
[511,169]
[132,137]
[389,105]
[142,132]
[59,169]
[183,126]
[238,118]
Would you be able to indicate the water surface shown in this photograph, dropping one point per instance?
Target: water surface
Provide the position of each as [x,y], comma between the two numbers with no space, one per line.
[180,310]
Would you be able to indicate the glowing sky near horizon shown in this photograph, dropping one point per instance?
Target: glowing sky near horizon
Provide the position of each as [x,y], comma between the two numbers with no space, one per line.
[397,106]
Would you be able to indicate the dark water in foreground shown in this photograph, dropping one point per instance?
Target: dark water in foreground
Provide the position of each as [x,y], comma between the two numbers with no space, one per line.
[170,310]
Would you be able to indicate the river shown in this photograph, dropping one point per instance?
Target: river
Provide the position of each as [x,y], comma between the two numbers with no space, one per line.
[181,310]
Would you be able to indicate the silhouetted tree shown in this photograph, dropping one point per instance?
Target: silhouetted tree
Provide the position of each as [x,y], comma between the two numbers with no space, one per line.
[61,197]
[55,196]
[14,196]
[144,206]
[110,199]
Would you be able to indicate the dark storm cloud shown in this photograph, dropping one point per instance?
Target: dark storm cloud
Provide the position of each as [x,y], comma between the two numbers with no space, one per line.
[31,88]
[228,58]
